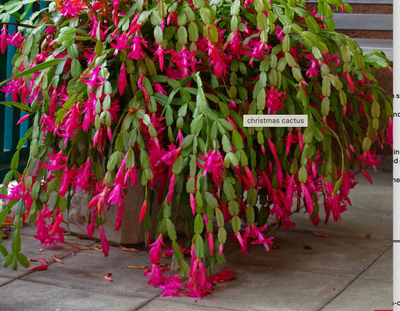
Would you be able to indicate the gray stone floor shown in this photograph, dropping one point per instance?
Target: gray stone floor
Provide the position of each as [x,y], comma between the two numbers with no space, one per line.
[350,270]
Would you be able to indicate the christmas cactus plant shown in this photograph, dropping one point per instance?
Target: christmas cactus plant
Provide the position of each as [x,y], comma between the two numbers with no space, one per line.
[153,93]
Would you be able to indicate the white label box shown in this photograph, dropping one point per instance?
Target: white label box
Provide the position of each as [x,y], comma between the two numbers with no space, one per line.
[275,120]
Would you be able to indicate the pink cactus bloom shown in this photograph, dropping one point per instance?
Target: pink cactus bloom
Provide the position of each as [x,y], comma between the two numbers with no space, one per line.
[156,275]
[122,82]
[312,71]
[307,196]
[171,189]
[90,226]
[104,243]
[15,40]
[160,53]
[389,133]
[155,250]
[56,161]
[121,44]
[222,277]
[275,100]
[193,203]
[368,158]
[137,52]
[115,7]
[93,79]
[214,163]
[172,286]
[72,8]
[184,60]
[3,39]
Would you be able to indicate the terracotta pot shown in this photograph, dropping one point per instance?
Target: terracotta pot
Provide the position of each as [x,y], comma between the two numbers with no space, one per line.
[131,231]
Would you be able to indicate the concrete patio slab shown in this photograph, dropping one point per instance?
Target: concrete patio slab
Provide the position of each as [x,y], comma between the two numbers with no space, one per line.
[355,223]
[376,198]
[162,304]
[382,269]
[273,289]
[364,294]
[85,271]
[307,252]
[34,296]
[5,280]
[30,248]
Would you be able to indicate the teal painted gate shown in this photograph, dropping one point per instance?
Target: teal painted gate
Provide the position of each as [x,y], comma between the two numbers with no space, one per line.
[10,132]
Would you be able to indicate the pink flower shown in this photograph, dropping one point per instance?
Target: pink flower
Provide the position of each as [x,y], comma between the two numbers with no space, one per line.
[159,88]
[210,239]
[275,100]
[155,250]
[117,195]
[173,16]
[312,71]
[71,8]
[56,161]
[184,60]
[3,39]
[307,196]
[65,182]
[222,277]
[115,7]
[143,88]
[214,163]
[120,212]
[157,277]
[90,226]
[57,222]
[104,242]
[95,25]
[134,26]
[389,133]
[137,48]
[143,210]
[193,203]
[300,137]
[94,79]
[258,48]
[235,45]
[366,175]
[368,158]
[122,42]
[160,53]
[131,172]
[218,59]
[261,237]
[172,286]
[198,285]
[24,118]
[41,232]
[350,81]
[15,40]
[179,137]
[250,175]
[171,189]
[122,83]
[71,122]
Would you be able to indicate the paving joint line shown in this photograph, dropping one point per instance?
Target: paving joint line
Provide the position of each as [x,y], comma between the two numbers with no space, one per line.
[146,303]
[87,290]
[296,268]
[189,304]
[348,285]
[31,271]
